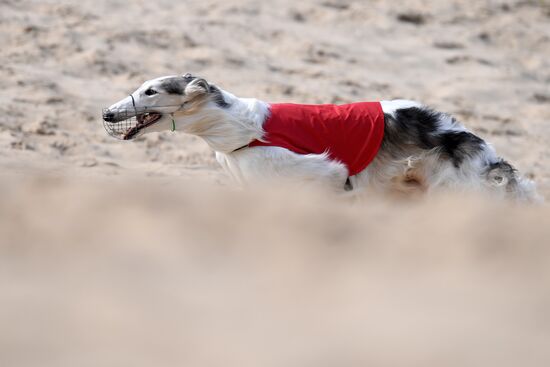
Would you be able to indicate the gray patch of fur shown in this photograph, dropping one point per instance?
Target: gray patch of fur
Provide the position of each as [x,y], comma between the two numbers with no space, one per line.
[173,86]
[217,96]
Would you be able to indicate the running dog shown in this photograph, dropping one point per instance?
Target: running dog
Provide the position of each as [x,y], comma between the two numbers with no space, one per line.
[391,146]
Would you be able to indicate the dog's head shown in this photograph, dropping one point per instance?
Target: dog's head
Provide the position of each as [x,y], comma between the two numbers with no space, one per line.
[154,104]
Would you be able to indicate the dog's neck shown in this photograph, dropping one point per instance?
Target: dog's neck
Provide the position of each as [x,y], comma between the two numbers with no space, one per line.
[229,127]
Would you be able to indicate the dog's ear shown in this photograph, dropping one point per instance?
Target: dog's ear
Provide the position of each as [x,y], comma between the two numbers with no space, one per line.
[197,87]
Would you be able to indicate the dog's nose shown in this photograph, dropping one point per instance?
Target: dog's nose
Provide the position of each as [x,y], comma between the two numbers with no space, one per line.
[108,116]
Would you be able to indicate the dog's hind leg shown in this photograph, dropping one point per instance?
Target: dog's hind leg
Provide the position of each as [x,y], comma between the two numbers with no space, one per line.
[505,180]
[467,161]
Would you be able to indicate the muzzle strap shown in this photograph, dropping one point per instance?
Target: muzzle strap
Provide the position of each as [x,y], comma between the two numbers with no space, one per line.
[134,104]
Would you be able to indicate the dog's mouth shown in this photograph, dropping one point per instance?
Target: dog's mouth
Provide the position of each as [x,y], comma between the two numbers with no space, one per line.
[143,120]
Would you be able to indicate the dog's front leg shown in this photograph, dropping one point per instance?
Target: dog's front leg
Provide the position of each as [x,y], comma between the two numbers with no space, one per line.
[269,164]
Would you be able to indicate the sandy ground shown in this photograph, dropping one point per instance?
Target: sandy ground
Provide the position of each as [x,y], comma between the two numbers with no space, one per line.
[141,253]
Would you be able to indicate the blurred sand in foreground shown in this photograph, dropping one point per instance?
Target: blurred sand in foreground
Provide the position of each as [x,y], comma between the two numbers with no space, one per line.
[104,274]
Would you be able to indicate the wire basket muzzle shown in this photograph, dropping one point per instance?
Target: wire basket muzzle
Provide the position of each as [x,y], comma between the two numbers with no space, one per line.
[126,120]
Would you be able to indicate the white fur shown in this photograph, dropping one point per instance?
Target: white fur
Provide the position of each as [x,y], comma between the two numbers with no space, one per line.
[390,107]
[227,129]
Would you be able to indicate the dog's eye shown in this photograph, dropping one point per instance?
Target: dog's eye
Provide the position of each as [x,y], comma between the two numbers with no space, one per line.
[150,92]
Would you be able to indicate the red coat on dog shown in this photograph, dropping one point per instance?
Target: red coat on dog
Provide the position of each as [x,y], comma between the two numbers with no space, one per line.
[350,133]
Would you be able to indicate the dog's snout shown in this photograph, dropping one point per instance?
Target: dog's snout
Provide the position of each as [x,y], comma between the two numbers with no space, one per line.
[108,116]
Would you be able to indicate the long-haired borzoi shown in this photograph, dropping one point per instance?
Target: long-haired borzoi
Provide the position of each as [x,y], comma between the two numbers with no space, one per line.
[391,146]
